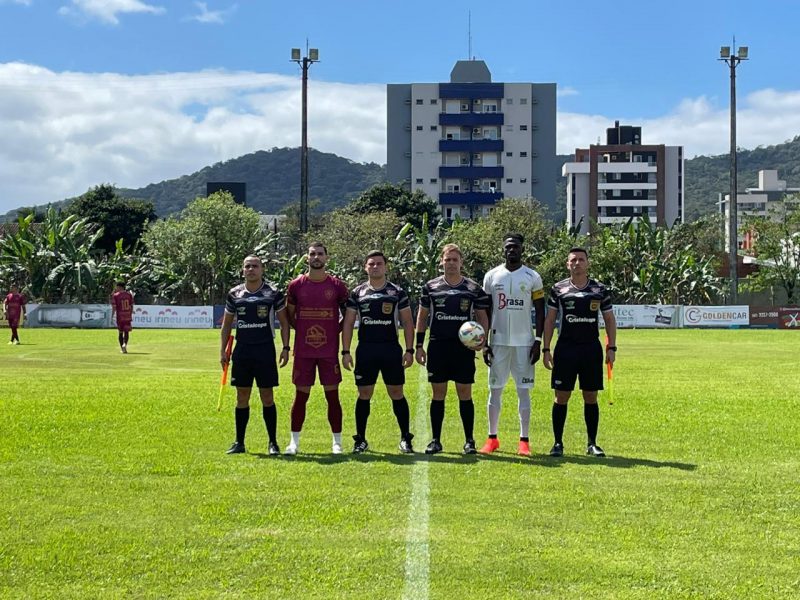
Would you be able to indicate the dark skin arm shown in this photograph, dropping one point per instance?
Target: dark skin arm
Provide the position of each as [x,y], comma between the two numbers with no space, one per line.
[538,304]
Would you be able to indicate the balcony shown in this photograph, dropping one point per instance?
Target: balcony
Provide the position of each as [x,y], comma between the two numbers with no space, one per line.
[481,145]
[471,119]
[473,198]
[467,172]
[471,91]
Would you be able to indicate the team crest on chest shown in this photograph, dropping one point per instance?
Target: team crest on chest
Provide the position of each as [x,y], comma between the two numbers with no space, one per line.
[387,308]
[329,294]
[464,304]
[594,305]
[262,311]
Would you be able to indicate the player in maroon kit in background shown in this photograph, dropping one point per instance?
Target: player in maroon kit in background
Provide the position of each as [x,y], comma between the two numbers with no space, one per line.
[122,307]
[14,307]
[315,304]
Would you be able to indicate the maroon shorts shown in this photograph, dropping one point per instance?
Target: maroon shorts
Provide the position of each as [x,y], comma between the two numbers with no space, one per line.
[13,322]
[124,325]
[304,371]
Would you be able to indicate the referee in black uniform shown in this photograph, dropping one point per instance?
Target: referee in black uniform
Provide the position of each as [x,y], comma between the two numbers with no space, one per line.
[254,305]
[450,301]
[378,304]
[578,353]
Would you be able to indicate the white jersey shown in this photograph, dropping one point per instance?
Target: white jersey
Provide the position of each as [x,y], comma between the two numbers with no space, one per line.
[512,294]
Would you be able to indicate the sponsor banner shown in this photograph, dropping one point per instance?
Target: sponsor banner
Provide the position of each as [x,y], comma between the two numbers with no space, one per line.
[764,317]
[789,317]
[85,316]
[173,317]
[644,316]
[219,312]
[716,316]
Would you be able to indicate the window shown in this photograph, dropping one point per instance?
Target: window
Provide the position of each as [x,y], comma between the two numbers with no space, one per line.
[523,128]
[509,154]
[433,179]
[523,100]
[615,193]
[523,154]
[434,128]
[637,193]
[509,180]
[419,127]
[419,180]
[509,101]
[419,100]
[434,101]
[523,180]
[449,213]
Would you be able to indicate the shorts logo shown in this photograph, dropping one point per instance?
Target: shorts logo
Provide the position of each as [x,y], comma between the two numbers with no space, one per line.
[527,380]
[387,308]
[594,305]
[262,311]
[557,382]
[316,337]
[464,304]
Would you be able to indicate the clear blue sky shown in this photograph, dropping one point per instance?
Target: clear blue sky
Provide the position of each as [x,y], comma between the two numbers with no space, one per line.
[642,63]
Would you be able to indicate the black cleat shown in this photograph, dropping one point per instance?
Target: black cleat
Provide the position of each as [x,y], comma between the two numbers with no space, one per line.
[360,445]
[236,448]
[469,447]
[595,450]
[405,444]
[273,450]
[557,449]
[434,447]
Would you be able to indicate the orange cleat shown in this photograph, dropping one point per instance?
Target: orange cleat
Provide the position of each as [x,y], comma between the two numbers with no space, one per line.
[524,449]
[490,446]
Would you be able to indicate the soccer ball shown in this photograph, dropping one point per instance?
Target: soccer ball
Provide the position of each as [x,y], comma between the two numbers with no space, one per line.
[471,335]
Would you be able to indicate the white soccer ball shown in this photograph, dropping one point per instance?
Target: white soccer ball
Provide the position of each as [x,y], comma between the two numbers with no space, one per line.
[471,335]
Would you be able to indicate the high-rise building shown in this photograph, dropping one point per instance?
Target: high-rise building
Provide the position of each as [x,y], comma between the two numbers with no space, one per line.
[624,178]
[471,142]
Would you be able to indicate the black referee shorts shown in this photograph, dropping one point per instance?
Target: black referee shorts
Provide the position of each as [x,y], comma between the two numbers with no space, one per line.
[254,362]
[450,360]
[583,362]
[385,358]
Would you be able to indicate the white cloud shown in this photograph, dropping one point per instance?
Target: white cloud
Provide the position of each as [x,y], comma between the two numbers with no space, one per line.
[107,10]
[211,16]
[564,91]
[65,132]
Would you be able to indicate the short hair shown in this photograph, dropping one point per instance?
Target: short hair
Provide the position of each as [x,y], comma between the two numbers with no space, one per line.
[256,256]
[120,284]
[452,248]
[517,237]
[375,253]
[318,245]
[578,249]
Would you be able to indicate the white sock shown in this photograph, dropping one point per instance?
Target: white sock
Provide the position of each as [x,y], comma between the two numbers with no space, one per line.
[337,438]
[524,395]
[494,406]
[296,438]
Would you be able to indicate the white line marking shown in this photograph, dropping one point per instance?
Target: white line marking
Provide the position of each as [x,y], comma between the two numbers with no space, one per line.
[417,546]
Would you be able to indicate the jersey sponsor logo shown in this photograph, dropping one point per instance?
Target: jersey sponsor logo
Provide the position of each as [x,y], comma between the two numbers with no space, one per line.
[244,325]
[464,304]
[503,301]
[316,336]
[371,321]
[315,313]
[444,317]
[575,319]
[365,306]
[387,308]
[594,305]
[262,311]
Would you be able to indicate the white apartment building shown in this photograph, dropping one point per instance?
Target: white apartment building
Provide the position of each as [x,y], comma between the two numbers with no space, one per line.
[471,142]
[624,178]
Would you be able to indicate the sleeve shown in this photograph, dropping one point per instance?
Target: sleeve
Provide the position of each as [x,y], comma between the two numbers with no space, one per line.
[402,299]
[487,283]
[482,300]
[280,301]
[605,303]
[230,307]
[537,290]
[291,292]
[552,299]
[352,301]
[342,291]
[425,297]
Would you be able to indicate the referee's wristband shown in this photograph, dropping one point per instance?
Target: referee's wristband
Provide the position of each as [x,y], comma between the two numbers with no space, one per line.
[614,348]
[345,352]
[537,339]
[545,350]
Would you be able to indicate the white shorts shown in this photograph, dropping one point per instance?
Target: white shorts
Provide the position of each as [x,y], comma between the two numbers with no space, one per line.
[514,361]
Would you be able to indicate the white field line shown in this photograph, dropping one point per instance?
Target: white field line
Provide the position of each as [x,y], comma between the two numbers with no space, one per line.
[417,545]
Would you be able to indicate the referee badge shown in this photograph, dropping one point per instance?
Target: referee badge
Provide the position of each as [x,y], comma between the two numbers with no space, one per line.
[387,308]
[262,311]
[464,305]
[594,305]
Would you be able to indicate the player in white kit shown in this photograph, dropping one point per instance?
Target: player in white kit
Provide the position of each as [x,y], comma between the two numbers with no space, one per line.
[513,348]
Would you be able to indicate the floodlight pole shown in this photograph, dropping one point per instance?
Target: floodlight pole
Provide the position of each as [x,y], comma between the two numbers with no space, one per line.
[304,63]
[732,59]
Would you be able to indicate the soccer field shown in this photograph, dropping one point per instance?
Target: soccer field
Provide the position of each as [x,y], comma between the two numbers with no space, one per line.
[115,482]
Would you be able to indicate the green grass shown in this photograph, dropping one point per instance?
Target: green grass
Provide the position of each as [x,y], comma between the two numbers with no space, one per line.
[114,482]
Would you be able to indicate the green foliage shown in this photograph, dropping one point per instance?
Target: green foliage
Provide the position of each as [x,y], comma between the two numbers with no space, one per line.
[409,206]
[121,218]
[419,256]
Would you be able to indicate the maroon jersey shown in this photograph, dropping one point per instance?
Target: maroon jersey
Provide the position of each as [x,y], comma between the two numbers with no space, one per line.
[316,315]
[14,303]
[123,304]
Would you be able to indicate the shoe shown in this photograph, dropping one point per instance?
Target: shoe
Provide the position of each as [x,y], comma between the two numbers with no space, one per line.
[405,444]
[273,450]
[236,448]
[11,343]
[490,446]
[469,447]
[595,450]
[124,348]
[434,447]
[557,449]
[16,342]
[524,448]
[360,445]
[121,350]
[291,449]
[336,448]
